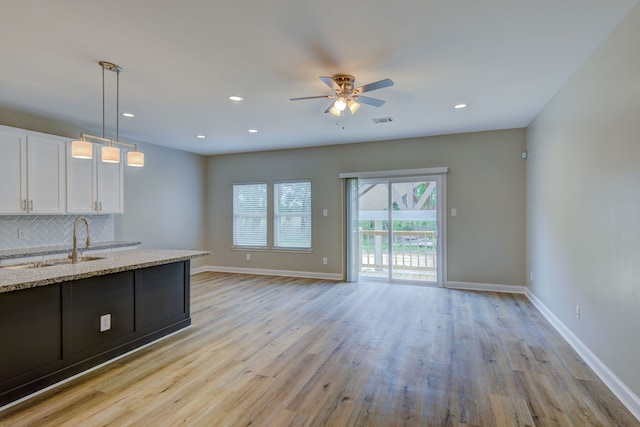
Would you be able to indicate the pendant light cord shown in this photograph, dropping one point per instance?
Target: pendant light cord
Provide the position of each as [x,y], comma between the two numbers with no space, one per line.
[103,100]
[117,104]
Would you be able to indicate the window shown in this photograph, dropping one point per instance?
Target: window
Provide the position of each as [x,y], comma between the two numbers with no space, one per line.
[292,215]
[250,215]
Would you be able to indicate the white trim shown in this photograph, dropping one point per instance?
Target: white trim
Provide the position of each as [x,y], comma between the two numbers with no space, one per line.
[486,287]
[622,392]
[394,173]
[269,272]
[66,380]
[197,270]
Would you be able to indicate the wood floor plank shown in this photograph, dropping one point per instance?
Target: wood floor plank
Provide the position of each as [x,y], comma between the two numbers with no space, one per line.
[282,351]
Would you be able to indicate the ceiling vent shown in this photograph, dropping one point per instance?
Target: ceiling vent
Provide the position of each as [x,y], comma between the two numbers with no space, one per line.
[383,120]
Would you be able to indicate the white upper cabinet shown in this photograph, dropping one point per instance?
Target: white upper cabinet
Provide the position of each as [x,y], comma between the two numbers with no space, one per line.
[32,172]
[46,174]
[111,186]
[94,186]
[13,172]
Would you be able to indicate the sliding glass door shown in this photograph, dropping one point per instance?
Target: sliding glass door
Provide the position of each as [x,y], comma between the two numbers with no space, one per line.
[399,221]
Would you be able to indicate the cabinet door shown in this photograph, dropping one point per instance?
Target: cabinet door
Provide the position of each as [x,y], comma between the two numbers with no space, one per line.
[13,172]
[110,187]
[82,196]
[46,175]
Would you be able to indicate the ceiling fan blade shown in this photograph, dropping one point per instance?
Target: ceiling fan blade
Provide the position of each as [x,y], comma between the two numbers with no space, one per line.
[375,85]
[370,101]
[312,97]
[330,82]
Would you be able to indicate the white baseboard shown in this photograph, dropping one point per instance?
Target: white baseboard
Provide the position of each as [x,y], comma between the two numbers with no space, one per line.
[268,272]
[197,270]
[486,287]
[622,392]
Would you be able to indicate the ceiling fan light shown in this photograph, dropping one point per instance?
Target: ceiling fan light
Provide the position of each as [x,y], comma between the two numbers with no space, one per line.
[335,111]
[81,150]
[353,106]
[110,154]
[340,104]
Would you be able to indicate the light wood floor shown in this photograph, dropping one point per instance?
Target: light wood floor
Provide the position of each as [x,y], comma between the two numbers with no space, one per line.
[273,351]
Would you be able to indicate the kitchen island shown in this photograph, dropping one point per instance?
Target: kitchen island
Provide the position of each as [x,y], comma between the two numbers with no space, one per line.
[59,319]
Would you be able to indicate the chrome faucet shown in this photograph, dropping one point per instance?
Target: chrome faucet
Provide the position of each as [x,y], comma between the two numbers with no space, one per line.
[74,254]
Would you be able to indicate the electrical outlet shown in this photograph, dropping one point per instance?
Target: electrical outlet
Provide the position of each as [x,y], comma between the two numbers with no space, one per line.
[577,311]
[248,257]
[105,322]
[22,233]
[531,276]
[325,261]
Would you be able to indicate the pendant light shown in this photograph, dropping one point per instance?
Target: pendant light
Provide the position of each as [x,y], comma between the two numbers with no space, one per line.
[110,153]
[81,149]
[135,158]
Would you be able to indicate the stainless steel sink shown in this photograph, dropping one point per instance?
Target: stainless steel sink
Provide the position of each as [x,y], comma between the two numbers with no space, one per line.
[49,263]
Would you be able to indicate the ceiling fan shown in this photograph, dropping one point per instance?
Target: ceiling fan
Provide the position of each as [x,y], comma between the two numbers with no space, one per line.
[348,96]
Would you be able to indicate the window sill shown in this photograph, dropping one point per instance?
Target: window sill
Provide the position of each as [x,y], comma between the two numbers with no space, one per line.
[250,248]
[293,250]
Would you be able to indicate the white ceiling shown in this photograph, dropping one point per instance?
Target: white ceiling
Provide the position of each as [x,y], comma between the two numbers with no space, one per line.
[182,59]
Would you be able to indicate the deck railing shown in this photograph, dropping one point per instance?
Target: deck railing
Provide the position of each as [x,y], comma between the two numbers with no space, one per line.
[411,250]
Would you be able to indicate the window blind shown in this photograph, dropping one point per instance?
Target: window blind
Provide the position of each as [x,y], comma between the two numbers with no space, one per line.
[292,215]
[250,215]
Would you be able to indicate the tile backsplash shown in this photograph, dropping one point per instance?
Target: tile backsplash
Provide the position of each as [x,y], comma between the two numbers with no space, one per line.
[46,230]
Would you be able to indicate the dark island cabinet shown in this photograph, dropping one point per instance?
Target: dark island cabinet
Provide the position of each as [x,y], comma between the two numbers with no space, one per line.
[49,333]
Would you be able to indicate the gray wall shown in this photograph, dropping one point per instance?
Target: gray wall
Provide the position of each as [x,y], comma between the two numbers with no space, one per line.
[164,201]
[486,183]
[583,202]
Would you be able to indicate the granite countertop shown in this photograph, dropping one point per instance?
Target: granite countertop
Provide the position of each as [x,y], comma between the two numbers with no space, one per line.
[62,249]
[111,262]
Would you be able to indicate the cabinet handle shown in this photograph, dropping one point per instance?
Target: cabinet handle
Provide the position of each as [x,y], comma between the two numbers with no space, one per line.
[100,206]
[95,206]
[31,205]
[24,205]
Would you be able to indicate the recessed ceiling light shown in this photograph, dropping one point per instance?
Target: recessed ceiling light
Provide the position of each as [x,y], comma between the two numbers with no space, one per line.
[128,115]
[253,130]
[201,136]
[460,106]
[236,98]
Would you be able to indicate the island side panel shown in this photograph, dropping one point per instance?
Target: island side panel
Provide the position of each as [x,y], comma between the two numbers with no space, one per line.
[30,337]
[92,298]
[162,296]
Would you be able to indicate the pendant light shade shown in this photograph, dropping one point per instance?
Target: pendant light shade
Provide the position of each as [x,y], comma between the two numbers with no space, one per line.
[135,159]
[81,150]
[110,154]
